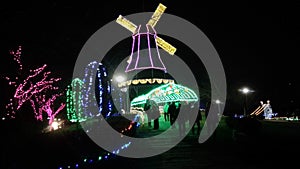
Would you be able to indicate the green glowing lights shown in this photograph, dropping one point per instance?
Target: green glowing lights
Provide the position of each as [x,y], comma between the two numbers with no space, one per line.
[74,101]
[167,93]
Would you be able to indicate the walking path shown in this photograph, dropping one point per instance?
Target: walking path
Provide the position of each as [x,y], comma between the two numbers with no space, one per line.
[218,152]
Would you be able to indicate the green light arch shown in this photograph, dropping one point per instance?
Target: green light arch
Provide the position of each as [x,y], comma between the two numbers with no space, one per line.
[167,93]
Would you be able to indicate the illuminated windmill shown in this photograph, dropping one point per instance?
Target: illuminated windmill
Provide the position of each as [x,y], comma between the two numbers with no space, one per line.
[146,59]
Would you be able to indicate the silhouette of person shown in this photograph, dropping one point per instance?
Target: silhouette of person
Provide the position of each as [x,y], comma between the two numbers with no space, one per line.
[156,115]
[166,114]
[180,119]
[212,121]
[147,108]
[171,112]
[207,107]
[197,123]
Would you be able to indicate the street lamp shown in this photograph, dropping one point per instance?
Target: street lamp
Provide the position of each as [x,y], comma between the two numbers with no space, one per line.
[218,102]
[120,79]
[245,91]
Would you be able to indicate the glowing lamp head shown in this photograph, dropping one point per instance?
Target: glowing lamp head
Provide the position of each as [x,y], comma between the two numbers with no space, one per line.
[245,90]
[54,125]
[120,79]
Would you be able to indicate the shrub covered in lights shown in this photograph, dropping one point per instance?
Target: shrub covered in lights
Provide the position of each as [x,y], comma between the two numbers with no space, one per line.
[91,96]
[74,101]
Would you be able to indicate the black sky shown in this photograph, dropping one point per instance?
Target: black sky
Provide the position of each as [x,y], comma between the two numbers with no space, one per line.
[256,41]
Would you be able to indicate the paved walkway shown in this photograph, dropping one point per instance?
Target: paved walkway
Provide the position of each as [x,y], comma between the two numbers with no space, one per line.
[218,152]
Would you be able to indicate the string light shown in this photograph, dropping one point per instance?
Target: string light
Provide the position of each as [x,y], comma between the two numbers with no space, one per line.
[153,41]
[74,101]
[88,95]
[95,75]
[167,93]
[33,89]
[155,62]
[145,81]
[17,57]
[49,109]
[104,156]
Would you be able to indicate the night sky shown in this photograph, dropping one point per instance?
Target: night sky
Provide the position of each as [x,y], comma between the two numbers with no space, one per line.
[256,41]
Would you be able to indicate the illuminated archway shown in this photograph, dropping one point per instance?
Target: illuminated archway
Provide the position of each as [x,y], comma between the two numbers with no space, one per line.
[167,93]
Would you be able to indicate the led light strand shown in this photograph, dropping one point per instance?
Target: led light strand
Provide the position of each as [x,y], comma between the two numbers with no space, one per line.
[47,106]
[74,101]
[104,156]
[167,93]
[88,95]
[136,35]
[33,89]
[17,57]
[96,78]
[92,160]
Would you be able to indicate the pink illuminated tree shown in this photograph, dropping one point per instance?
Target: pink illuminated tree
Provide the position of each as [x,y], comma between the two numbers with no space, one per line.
[42,104]
[36,87]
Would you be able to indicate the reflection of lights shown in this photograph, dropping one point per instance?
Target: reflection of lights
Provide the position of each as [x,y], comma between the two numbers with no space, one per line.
[54,125]
[218,101]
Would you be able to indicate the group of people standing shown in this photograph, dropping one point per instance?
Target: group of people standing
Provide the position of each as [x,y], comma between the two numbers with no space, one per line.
[171,113]
[171,110]
[180,112]
[153,114]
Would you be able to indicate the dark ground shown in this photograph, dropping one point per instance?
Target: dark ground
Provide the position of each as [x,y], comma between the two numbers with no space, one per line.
[273,144]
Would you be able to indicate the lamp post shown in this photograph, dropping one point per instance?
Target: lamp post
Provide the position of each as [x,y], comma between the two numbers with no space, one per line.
[120,79]
[218,102]
[245,91]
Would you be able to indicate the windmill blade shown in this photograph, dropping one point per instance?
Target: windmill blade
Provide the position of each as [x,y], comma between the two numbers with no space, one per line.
[156,15]
[165,45]
[127,24]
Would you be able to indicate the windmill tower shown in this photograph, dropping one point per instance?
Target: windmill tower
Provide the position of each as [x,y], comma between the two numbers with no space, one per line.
[147,58]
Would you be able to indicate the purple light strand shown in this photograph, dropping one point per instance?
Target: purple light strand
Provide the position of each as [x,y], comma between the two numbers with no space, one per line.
[138,34]
[149,47]
[139,41]
[35,93]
